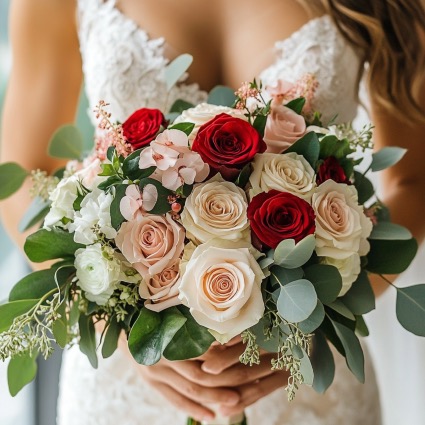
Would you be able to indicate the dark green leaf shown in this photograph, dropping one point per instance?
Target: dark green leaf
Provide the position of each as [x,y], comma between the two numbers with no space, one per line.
[110,343]
[74,313]
[88,339]
[162,205]
[388,230]
[342,309]
[386,157]
[9,311]
[315,319]
[21,371]
[110,153]
[46,245]
[410,308]
[221,96]
[116,216]
[364,187]
[360,299]
[181,105]
[391,257]
[353,350]
[152,332]
[60,326]
[296,105]
[12,177]
[297,300]
[34,214]
[308,146]
[260,124]
[323,363]
[192,340]
[244,175]
[110,181]
[130,167]
[66,143]
[332,146]
[186,127]
[326,280]
[361,327]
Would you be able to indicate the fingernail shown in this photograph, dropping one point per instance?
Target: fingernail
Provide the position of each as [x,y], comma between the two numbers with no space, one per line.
[232,400]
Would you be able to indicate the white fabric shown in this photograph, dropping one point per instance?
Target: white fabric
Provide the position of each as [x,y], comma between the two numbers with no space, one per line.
[124,67]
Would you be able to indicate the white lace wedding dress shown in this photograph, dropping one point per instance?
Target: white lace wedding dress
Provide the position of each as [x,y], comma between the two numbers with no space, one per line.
[123,66]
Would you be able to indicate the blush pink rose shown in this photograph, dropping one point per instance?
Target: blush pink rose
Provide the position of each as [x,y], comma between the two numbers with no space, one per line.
[151,243]
[162,290]
[283,128]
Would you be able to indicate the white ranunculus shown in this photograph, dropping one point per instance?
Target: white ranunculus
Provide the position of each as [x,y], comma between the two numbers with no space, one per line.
[341,225]
[288,172]
[93,218]
[62,212]
[222,287]
[216,209]
[349,268]
[97,275]
[204,112]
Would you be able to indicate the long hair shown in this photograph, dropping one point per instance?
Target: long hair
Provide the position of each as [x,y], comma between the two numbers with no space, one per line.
[390,34]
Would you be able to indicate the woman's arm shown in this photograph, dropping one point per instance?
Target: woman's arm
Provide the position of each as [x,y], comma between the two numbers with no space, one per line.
[42,93]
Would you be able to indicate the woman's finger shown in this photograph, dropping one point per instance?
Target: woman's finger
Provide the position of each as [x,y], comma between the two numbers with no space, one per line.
[216,362]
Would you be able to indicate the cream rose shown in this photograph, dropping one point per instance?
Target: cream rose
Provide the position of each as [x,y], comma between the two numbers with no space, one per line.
[283,128]
[97,274]
[341,225]
[216,209]
[349,268]
[162,290]
[151,243]
[222,288]
[204,112]
[288,172]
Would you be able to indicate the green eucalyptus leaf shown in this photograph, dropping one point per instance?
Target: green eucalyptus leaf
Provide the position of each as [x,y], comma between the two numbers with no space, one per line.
[364,187]
[110,342]
[116,217]
[11,310]
[60,326]
[391,256]
[186,127]
[342,309]
[308,146]
[66,143]
[386,157]
[88,339]
[315,319]
[353,350]
[74,312]
[51,244]
[222,96]
[297,300]
[191,340]
[180,105]
[326,280]
[306,369]
[361,327]
[290,255]
[152,332]
[280,276]
[271,345]
[390,231]
[296,105]
[12,177]
[176,69]
[323,363]
[34,214]
[21,371]
[360,299]
[410,308]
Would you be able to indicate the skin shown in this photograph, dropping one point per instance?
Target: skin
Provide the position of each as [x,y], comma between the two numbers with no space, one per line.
[43,93]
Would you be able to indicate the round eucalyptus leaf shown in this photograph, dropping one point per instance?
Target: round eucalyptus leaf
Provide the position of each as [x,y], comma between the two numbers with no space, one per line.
[410,308]
[386,157]
[12,176]
[390,231]
[66,143]
[290,255]
[326,280]
[315,319]
[306,369]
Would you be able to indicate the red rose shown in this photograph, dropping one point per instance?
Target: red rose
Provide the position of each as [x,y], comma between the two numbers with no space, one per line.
[142,127]
[227,144]
[331,170]
[276,216]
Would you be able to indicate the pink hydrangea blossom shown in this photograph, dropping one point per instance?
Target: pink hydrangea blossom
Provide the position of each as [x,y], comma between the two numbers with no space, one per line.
[136,201]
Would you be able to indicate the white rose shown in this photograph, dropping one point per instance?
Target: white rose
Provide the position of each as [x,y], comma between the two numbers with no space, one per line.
[288,172]
[204,112]
[341,225]
[222,287]
[94,218]
[97,275]
[349,268]
[216,209]
[62,212]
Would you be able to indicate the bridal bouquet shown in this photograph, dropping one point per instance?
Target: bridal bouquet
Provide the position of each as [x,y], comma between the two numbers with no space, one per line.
[216,221]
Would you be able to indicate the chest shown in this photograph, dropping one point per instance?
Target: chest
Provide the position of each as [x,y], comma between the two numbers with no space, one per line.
[231,41]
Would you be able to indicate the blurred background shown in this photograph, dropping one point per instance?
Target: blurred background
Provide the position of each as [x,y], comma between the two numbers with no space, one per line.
[36,404]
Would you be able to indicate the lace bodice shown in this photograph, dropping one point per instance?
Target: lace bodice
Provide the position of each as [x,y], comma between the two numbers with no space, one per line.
[125,67]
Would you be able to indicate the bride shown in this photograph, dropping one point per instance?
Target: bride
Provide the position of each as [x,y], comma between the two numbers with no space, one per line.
[121,49]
